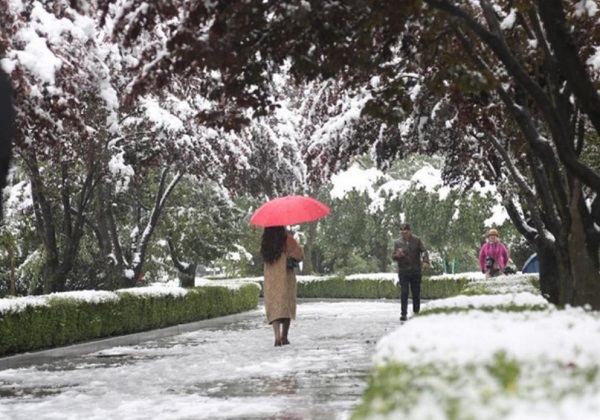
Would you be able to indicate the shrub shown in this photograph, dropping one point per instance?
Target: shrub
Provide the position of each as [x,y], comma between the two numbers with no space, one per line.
[61,319]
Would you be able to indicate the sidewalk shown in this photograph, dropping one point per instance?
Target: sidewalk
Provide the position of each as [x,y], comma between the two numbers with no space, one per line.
[47,356]
[225,368]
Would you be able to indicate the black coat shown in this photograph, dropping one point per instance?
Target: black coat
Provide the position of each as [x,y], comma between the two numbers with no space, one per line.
[415,254]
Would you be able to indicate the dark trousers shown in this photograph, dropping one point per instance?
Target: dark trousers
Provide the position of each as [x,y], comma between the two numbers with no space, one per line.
[414,281]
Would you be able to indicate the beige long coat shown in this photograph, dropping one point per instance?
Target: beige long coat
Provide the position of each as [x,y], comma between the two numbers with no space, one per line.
[280,284]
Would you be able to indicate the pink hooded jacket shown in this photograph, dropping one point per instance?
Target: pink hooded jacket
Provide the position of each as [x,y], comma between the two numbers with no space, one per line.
[497,251]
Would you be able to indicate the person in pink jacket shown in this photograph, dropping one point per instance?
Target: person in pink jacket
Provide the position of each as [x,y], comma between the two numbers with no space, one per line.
[493,256]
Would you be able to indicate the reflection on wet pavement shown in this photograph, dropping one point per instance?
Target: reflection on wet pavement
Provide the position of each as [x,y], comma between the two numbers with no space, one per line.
[11,391]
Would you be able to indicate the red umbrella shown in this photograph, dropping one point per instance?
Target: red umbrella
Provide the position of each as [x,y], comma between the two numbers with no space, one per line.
[289,210]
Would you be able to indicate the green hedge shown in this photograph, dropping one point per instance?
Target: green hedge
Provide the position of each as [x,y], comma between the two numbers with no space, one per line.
[65,320]
[369,288]
[338,287]
[442,288]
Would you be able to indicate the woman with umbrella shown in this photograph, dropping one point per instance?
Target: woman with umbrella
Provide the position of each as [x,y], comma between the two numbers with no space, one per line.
[280,279]
[276,247]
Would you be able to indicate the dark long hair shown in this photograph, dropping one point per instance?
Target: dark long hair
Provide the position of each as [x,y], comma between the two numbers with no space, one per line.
[273,243]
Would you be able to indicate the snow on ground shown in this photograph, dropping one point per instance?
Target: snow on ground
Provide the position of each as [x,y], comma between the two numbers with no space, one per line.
[504,355]
[533,361]
[481,301]
[232,371]
[569,336]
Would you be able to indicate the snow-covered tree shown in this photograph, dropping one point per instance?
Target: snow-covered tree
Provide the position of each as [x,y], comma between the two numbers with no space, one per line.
[507,89]
[63,97]
[103,165]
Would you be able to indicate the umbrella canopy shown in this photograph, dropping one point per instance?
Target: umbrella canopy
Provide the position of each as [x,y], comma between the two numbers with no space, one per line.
[289,210]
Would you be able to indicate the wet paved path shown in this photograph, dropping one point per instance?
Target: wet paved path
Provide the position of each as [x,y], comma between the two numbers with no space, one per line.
[222,370]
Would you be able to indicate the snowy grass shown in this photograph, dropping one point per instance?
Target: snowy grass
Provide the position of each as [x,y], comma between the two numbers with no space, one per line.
[503,285]
[506,354]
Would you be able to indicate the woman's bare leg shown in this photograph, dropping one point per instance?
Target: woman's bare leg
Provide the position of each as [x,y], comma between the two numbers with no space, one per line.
[277,332]
[286,329]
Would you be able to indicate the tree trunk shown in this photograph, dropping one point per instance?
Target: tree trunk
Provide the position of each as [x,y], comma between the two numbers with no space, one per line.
[135,258]
[549,269]
[187,278]
[51,276]
[569,268]
[311,234]
[104,235]
[7,131]
[187,272]
[11,255]
[584,261]
[383,254]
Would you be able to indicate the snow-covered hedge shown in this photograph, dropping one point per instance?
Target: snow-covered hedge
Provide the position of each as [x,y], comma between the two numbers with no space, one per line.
[58,319]
[503,353]
[372,285]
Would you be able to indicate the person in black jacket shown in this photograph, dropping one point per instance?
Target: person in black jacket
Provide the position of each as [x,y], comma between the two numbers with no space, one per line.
[412,257]
[7,128]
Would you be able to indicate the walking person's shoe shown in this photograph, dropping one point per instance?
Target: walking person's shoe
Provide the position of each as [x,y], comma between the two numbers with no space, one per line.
[403,318]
